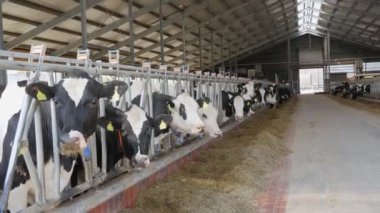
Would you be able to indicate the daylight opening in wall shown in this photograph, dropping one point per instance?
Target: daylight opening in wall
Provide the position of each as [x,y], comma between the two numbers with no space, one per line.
[311,80]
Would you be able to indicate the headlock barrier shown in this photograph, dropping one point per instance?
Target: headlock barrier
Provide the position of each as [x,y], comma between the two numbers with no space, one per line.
[141,81]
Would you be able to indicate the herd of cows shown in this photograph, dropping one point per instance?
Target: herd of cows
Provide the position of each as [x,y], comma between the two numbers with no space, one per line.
[128,132]
[351,90]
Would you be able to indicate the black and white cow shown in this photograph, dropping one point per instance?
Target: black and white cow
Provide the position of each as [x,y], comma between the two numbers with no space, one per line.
[232,105]
[76,100]
[209,115]
[128,134]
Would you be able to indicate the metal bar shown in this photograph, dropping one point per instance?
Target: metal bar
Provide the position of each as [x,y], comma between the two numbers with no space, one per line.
[106,29]
[200,48]
[183,38]
[14,154]
[162,51]
[221,50]
[49,24]
[290,71]
[83,20]
[131,33]
[212,51]
[40,152]
[3,73]
[54,129]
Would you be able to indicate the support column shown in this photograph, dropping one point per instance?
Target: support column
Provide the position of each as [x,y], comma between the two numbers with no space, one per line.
[326,70]
[183,38]
[290,71]
[230,59]
[83,20]
[131,33]
[200,48]
[3,73]
[221,50]
[161,36]
[212,52]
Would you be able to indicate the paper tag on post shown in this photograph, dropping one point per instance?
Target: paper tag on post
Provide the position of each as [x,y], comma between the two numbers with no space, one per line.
[198,72]
[177,69]
[164,67]
[146,64]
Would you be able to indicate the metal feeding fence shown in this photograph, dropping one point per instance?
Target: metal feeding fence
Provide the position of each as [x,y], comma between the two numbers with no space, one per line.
[36,62]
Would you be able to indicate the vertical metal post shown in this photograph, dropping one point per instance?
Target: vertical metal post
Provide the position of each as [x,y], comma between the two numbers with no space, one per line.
[161,36]
[290,71]
[328,61]
[200,48]
[131,33]
[3,73]
[83,24]
[236,69]
[230,59]
[221,50]
[40,151]
[54,129]
[212,51]
[183,38]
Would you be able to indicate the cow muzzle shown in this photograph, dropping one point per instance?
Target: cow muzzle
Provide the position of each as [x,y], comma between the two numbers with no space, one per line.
[72,143]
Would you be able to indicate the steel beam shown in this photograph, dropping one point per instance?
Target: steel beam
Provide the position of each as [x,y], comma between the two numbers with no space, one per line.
[131,33]
[3,73]
[162,51]
[83,24]
[49,24]
[174,18]
[108,28]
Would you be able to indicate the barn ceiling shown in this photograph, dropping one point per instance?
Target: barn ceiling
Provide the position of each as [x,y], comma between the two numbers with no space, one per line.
[236,27]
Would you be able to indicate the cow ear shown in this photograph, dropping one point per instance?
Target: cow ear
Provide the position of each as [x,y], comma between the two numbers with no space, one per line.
[162,122]
[207,100]
[22,83]
[40,91]
[114,88]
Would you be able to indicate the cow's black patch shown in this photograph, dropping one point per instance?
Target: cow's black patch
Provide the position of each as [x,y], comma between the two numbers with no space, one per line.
[182,111]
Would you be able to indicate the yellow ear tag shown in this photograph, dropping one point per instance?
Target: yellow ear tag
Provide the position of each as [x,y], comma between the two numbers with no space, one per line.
[110,127]
[163,125]
[116,96]
[205,105]
[40,96]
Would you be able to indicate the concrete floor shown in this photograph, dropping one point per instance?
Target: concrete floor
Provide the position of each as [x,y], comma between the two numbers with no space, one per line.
[335,164]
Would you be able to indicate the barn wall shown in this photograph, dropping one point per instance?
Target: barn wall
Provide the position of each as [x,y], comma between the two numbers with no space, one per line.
[274,60]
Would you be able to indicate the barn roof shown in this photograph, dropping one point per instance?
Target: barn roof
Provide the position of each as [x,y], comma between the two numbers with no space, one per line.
[239,26]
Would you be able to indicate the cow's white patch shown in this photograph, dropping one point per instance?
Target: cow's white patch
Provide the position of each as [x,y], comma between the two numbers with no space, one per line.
[239,107]
[210,119]
[136,117]
[10,103]
[65,177]
[262,93]
[18,197]
[193,123]
[75,88]
[250,88]
[142,159]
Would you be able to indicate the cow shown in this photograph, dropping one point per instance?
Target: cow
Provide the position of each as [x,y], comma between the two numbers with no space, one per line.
[232,105]
[209,115]
[128,134]
[182,108]
[76,101]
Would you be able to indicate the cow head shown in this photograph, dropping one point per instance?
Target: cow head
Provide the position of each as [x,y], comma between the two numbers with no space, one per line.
[238,105]
[209,116]
[142,126]
[76,101]
[184,110]
[116,122]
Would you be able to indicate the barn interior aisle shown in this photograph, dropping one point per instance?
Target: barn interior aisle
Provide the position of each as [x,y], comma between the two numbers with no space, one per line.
[334,165]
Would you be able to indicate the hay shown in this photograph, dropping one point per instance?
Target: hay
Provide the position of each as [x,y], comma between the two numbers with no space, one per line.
[227,176]
[368,106]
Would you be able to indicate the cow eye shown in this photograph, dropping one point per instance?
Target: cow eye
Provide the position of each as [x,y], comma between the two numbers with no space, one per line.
[93,103]
[204,116]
